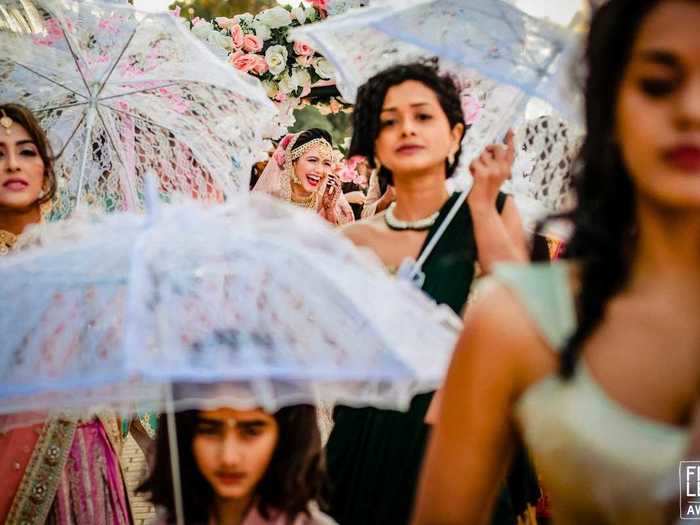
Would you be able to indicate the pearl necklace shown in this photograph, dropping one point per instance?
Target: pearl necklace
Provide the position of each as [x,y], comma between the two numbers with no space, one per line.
[418,225]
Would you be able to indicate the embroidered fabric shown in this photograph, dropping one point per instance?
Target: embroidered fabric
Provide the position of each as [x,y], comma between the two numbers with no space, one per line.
[113,311]
[122,93]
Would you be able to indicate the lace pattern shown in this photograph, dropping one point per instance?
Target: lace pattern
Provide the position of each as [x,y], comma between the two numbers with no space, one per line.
[122,93]
[112,311]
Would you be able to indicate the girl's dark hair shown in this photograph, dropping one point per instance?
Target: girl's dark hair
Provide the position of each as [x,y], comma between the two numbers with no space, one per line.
[311,134]
[293,478]
[370,99]
[604,220]
[25,118]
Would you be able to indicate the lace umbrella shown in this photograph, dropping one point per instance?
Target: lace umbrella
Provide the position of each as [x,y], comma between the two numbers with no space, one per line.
[490,36]
[122,92]
[107,312]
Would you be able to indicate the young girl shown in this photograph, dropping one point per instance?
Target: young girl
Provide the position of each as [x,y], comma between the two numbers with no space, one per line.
[595,364]
[242,467]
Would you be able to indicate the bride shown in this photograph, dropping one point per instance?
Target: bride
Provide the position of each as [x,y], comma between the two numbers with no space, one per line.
[300,172]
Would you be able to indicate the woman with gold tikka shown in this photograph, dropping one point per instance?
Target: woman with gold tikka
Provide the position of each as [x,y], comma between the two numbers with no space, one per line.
[60,470]
[300,172]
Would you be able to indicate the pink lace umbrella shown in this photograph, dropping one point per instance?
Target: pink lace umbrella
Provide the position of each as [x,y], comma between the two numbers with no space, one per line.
[122,93]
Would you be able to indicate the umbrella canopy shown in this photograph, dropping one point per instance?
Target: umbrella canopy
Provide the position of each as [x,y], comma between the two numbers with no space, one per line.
[491,36]
[122,92]
[255,293]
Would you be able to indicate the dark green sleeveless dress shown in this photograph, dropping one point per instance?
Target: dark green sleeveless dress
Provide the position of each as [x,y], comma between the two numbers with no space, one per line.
[374,456]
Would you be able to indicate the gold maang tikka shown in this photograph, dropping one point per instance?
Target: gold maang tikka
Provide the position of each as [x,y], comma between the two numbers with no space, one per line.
[5,121]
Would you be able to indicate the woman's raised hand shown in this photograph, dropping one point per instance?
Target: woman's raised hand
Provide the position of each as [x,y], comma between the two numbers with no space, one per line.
[490,170]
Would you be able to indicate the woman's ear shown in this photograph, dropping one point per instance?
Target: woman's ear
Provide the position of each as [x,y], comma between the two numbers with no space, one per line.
[457,136]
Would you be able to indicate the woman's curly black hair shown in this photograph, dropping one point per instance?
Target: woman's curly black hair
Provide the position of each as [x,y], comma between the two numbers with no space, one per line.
[370,99]
[604,220]
[292,480]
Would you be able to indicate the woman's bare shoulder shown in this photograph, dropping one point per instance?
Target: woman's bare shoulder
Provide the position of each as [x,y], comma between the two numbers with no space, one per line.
[366,231]
[499,325]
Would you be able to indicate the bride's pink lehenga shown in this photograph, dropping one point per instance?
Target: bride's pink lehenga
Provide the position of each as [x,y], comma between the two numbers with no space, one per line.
[276,181]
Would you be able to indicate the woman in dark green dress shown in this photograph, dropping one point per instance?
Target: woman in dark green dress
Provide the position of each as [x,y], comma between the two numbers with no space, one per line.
[409,122]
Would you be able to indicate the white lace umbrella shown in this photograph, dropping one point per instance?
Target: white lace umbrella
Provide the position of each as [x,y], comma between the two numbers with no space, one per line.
[121,93]
[490,36]
[108,311]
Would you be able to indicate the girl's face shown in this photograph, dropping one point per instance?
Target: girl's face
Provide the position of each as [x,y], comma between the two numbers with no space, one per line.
[312,168]
[658,113]
[21,169]
[233,448]
[415,134]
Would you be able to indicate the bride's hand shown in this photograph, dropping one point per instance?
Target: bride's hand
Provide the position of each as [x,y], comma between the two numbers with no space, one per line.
[332,193]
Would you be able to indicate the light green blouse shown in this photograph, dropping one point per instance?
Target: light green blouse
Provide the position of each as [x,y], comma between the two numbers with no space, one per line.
[599,462]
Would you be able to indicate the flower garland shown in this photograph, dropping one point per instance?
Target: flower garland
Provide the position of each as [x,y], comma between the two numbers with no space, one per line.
[259,45]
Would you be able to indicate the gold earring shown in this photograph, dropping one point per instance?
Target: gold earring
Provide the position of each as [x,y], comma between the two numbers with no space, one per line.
[377,164]
[451,159]
[293,175]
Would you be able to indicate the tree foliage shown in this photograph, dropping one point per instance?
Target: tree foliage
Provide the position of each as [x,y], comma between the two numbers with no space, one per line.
[209,9]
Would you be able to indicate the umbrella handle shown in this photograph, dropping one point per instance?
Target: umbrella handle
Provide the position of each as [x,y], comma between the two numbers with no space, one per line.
[174,456]
[90,123]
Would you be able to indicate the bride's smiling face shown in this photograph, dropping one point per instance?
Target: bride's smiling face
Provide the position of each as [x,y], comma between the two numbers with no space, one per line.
[312,168]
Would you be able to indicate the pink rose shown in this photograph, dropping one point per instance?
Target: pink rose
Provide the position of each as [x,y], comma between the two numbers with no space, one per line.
[260,66]
[225,23]
[471,107]
[175,12]
[303,49]
[280,155]
[235,55]
[305,61]
[237,36]
[281,97]
[245,62]
[252,43]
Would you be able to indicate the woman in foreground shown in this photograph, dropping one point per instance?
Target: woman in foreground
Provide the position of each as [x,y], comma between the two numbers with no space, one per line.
[595,363]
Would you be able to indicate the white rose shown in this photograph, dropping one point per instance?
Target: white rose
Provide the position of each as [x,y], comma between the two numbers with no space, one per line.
[271,88]
[311,14]
[262,30]
[323,68]
[245,18]
[301,77]
[218,40]
[276,58]
[202,30]
[299,14]
[275,18]
[287,83]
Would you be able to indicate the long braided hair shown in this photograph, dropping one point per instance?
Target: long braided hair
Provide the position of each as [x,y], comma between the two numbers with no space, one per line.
[604,220]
